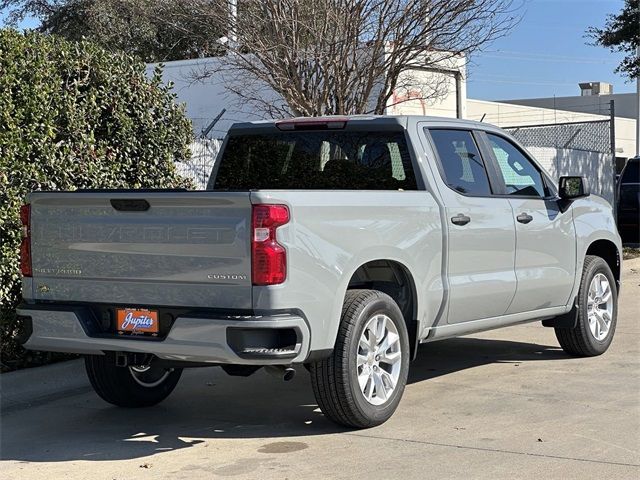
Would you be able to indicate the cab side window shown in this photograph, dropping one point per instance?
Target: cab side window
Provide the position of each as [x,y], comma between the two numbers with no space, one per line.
[520,176]
[462,166]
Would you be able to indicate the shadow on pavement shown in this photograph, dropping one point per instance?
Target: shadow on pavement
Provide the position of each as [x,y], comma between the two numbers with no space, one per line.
[448,356]
[208,404]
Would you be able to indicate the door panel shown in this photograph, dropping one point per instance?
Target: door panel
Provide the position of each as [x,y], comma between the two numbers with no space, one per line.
[545,255]
[481,230]
[545,237]
[481,258]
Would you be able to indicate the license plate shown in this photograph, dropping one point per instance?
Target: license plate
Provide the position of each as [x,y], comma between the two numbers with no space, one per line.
[138,321]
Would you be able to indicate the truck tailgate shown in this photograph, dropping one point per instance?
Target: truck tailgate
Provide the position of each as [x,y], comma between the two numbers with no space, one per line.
[160,248]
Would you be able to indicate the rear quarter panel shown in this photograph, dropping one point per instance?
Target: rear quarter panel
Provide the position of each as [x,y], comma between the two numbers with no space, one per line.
[331,234]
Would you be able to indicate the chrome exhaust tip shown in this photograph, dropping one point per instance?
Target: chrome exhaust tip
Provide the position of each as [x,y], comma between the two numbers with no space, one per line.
[280,371]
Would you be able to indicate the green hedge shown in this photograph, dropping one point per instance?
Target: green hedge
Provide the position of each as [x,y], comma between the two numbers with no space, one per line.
[75,116]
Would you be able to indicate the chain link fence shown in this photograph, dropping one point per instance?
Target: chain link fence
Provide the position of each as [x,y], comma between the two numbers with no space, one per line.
[204,150]
[203,156]
[575,148]
[591,136]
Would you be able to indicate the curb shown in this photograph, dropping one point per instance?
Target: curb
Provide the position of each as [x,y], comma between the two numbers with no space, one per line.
[35,386]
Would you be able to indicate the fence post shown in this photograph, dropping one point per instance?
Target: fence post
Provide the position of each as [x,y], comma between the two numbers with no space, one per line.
[612,128]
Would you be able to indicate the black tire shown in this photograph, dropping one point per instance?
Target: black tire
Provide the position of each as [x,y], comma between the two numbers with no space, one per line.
[335,379]
[117,385]
[579,341]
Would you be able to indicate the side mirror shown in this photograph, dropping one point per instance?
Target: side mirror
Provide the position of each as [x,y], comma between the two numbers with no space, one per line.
[571,188]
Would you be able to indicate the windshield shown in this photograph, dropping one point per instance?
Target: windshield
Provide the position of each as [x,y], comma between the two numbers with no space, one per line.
[346,160]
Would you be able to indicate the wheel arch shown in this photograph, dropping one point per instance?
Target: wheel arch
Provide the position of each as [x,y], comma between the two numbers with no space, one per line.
[608,251]
[396,280]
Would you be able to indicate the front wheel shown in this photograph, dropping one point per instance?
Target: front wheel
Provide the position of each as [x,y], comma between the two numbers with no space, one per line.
[134,386]
[361,383]
[597,312]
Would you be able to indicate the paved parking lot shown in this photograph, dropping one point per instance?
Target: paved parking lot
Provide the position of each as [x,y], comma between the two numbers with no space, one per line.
[505,404]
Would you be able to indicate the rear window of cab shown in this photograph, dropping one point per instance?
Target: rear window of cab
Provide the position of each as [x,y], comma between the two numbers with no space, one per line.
[333,160]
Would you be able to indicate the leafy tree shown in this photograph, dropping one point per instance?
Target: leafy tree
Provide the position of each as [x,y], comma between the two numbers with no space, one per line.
[75,116]
[154,30]
[621,33]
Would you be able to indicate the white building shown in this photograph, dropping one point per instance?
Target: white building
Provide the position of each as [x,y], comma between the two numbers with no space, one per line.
[200,84]
[206,97]
[594,98]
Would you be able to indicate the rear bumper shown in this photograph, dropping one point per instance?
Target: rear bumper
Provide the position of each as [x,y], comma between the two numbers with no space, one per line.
[247,340]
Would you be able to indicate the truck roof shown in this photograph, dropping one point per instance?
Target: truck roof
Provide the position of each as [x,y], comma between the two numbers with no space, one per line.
[372,121]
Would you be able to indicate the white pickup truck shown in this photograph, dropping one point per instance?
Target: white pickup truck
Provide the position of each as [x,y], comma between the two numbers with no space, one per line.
[336,243]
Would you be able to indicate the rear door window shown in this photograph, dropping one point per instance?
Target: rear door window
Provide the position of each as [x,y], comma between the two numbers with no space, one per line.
[462,166]
[345,160]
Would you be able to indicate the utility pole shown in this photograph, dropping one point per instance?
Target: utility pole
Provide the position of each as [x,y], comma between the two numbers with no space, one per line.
[233,24]
[614,169]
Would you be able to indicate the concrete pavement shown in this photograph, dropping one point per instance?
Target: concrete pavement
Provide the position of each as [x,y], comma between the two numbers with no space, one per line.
[504,404]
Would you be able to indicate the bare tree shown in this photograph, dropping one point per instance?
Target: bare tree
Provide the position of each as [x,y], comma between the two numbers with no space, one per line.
[348,56]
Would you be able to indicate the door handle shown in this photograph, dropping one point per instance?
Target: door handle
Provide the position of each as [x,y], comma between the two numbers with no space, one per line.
[524,218]
[130,205]
[460,219]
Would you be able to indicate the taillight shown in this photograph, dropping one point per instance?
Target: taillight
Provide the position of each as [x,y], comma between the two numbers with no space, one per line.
[25,246]
[268,257]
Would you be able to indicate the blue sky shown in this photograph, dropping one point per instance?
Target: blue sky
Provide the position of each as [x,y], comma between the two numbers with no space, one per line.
[547,54]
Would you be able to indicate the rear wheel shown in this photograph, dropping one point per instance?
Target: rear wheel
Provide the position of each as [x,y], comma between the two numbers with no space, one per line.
[597,312]
[133,386]
[361,383]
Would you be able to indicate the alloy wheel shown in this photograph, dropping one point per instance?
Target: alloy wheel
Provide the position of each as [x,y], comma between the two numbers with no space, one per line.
[379,359]
[600,306]
[148,376]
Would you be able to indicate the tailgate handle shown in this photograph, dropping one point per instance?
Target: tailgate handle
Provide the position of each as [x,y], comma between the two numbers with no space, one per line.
[130,204]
